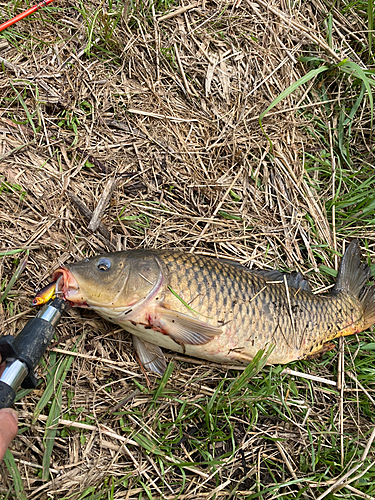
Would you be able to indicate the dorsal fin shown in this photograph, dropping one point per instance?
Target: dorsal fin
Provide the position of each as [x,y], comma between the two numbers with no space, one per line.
[297,280]
[294,279]
[232,263]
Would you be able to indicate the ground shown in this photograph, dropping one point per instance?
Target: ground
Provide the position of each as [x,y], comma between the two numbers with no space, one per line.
[240,130]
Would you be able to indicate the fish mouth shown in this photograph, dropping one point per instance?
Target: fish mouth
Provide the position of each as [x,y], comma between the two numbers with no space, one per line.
[67,286]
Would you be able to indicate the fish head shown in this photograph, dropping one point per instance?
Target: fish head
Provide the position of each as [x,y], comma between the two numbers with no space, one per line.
[113,282]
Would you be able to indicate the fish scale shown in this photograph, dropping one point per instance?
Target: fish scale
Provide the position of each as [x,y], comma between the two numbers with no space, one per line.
[260,312]
[215,310]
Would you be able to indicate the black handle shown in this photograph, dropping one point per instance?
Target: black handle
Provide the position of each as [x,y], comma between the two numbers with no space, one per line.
[25,351]
[7,395]
[30,345]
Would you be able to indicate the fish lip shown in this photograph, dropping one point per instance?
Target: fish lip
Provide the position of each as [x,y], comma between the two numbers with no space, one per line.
[68,286]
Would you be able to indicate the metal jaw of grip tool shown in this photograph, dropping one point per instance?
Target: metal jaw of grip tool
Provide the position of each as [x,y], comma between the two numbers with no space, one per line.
[24,352]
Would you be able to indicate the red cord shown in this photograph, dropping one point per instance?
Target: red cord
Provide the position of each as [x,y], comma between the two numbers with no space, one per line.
[24,14]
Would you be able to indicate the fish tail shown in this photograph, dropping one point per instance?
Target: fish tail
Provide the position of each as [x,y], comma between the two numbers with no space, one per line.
[352,278]
[369,307]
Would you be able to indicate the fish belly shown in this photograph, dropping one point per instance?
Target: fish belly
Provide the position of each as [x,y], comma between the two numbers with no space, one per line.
[228,348]
[211,351]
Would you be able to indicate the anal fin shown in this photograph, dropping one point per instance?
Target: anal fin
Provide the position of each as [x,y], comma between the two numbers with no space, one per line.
[322,350]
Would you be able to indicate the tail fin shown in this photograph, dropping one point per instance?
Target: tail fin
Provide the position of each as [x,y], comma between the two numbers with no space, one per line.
[368,302]
[352,277]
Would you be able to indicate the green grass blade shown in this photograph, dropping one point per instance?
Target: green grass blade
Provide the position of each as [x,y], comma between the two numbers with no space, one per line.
[163,382]
[21,267]
[51,431]
[330,29]
[185,303]
[147,490]
[214,400]
[344,121]
[353,68]
[259,361]
[91,32]
[292,88]
[370,20]
[57,372]
[54,414]
[23,104]
[148,444]
[16,476]
[52,375]
[5,253]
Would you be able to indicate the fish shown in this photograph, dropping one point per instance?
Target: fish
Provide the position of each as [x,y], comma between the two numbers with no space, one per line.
[215,309]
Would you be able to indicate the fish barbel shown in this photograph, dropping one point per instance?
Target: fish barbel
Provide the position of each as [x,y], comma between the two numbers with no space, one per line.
[212,309]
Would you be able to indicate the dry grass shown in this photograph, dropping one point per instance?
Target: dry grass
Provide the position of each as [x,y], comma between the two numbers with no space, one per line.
[169,109]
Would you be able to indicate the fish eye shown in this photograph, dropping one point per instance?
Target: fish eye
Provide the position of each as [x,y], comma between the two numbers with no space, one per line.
[103,264]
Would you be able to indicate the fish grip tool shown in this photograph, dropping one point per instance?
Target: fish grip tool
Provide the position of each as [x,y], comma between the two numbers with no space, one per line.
[23,353]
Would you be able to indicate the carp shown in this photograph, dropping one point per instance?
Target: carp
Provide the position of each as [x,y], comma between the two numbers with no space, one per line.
[216,310]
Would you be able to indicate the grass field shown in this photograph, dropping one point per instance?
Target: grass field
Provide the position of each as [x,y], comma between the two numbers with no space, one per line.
[235,129]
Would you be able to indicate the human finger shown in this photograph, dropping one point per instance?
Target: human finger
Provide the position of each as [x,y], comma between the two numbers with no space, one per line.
[8,428]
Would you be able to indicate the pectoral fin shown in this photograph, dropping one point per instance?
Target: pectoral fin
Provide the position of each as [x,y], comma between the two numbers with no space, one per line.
[185,329]
[150,355]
